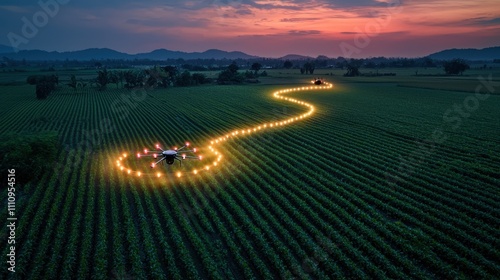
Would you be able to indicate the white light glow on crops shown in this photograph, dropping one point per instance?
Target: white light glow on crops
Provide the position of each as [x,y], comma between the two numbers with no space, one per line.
[236,133]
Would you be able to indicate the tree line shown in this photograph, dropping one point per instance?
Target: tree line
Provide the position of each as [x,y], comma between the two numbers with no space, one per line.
[232,75]
[155,77]
[451,67]
[163,77]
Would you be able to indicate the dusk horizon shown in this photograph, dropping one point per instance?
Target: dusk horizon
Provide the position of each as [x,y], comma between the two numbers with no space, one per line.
[262,28]
[256,55]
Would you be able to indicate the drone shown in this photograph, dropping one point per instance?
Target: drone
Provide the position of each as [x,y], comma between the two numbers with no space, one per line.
[170,156]
[317,81]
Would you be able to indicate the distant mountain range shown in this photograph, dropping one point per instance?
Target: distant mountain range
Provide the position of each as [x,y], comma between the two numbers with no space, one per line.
[100,54]
[163,54]
[468,54]
[295,57]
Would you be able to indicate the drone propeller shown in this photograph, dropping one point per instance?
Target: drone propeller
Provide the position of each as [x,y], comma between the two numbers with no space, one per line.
[156,154]
[159,148]
[185,145]
[156,163]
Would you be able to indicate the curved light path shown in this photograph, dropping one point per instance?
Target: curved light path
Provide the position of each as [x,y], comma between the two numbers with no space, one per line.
[214,143]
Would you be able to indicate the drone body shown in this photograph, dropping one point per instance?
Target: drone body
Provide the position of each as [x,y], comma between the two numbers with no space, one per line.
[169,156]
[318,82]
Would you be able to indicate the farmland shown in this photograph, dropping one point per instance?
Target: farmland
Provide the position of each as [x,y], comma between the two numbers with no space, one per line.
[363,188]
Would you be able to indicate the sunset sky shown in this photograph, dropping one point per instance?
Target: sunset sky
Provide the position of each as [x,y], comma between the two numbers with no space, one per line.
[266,28]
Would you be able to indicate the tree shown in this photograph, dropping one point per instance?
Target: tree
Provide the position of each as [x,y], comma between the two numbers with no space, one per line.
[250,75]
[121,76]
[171,73]
[256,67]
[157,76]
[198,78]
[455,66]
[134,79]
[428,62]
[233,68]
[44,84]
[370,64]
[114,78]
[184,79]
[103,78]
[352,70]
[288,64]
[308,68]
[72,82]
[231,75]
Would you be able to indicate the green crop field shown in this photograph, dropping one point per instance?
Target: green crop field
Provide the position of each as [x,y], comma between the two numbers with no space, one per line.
[389,178]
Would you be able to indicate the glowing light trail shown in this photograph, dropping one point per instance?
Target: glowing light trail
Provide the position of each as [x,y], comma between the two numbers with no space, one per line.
[236,133]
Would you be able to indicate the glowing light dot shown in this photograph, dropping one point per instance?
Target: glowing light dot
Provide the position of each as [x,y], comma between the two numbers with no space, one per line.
[212,142]
[207,167]
[179,174]
[138,155]
[158,175]
[145,151]
[121,158]
[195,172]
[121,168]
[128,171]
[194,150]
[215,163]
[187,144]
[124,155]
[201,157]
[139,174]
